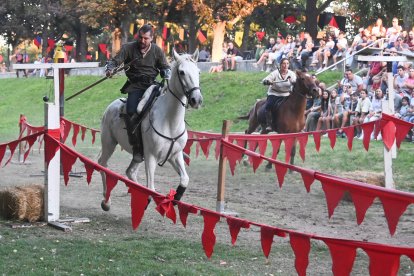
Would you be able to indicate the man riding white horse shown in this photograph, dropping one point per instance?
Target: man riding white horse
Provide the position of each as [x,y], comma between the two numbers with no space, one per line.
[145,61]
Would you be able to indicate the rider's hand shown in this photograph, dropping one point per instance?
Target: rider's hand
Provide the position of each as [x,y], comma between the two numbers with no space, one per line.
[266,82]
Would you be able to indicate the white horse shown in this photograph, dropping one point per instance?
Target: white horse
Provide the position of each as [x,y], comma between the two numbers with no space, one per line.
[163,129]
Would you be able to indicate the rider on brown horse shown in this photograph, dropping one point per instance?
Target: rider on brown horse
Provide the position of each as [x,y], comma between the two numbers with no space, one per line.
[280,84]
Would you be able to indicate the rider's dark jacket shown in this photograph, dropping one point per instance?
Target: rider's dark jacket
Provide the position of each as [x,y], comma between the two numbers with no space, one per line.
[144,68]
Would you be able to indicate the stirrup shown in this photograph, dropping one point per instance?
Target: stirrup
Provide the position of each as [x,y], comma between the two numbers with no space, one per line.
[137,154]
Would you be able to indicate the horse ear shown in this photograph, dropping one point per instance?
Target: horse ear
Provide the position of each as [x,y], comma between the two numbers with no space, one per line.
[195,55]
[176,55]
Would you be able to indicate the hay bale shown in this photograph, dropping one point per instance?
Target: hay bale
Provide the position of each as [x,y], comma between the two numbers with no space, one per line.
[373,178]
[22,203]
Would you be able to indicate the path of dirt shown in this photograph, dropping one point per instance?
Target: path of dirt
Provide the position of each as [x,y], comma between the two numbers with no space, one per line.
[256,197]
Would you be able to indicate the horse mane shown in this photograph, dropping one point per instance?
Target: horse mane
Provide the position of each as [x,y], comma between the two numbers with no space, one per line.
[183,57]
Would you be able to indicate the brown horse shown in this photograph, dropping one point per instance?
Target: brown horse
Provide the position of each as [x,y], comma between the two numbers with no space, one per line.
[289,117]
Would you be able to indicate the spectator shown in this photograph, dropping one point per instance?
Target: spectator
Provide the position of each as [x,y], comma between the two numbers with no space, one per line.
[233,56]
[267,50]
[287,49]
[305,49]
[362,110]
[341,111]
[204,55]
[325,116]
[379,30]
[351,79]
[393,32]
[399,82]
[342,45]
[317,56]
[409,82]
[20,60]
[405,112]
[375,110]
[314,112]
[275,53]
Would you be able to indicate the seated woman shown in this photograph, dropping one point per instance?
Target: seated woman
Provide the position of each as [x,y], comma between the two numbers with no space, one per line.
[325,117]
[280,85]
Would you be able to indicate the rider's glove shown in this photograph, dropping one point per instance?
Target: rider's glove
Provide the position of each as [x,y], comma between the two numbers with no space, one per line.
[266,82]
[165,73]
[110,67]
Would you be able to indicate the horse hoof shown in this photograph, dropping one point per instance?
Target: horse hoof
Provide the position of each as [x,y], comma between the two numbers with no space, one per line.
[105,206]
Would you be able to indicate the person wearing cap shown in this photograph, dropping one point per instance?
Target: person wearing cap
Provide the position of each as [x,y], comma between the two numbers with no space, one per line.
[147,60]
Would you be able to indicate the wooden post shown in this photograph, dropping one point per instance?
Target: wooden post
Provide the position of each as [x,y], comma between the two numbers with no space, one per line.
[222,169]
[21,146]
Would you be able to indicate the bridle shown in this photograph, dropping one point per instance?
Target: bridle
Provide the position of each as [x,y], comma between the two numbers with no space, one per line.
[187,94]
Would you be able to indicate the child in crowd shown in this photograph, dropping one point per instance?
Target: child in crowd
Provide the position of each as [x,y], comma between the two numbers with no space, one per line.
[405,112]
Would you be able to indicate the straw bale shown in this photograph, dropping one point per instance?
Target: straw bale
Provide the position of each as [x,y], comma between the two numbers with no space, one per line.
[373,178]
[23,203]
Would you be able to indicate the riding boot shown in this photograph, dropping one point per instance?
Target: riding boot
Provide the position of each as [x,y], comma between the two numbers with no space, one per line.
[269,121]
[134,137]
[137,148]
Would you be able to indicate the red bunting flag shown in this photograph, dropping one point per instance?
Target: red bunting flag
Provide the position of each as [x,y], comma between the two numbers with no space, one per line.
[208,238]
[260,35]
[333,22]
[37,41]
[67,160]
[201,37]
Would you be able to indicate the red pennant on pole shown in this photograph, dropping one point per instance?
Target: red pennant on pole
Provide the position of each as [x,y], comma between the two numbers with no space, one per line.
[89,167]
[165,205]
[234,226]
[30,140]
[205,147]
[388,134]
[208,237]
[402,129]
[301,247]
[66,129]
[51,147]
[139,201]
[233,156]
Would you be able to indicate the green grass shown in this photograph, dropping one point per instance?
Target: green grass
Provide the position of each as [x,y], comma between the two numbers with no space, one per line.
[226,96]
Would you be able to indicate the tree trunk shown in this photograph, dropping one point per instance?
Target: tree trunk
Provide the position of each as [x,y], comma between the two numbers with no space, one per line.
[219,30]
[246,30]
[81,43]
[192,32]
[311,23]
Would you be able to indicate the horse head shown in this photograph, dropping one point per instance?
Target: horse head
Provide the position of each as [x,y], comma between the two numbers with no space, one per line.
[185,77]
[306,85]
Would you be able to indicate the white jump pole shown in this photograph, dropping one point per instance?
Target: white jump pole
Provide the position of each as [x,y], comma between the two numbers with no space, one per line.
[52,122]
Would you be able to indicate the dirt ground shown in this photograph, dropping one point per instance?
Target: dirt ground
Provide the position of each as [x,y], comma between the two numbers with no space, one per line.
[255,197]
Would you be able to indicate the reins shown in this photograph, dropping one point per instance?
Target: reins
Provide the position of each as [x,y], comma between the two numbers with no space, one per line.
[187,94]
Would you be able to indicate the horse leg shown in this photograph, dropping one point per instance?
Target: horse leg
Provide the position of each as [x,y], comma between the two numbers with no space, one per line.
[108,148]
[132,170]
[292,155]
[179,166]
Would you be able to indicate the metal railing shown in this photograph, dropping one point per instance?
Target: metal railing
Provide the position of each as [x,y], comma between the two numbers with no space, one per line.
[382,40]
